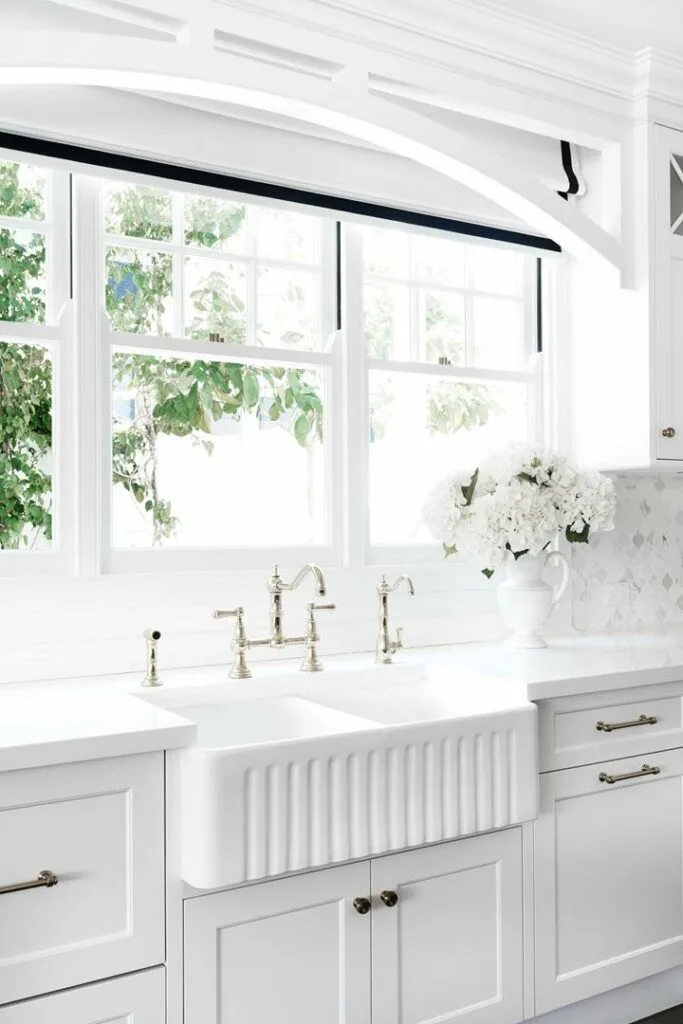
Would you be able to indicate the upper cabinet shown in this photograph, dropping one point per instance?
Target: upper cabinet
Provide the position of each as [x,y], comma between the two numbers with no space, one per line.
[620,343]
[667,292]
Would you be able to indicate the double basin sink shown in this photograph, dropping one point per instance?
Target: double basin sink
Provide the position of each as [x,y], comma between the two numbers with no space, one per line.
[285,783]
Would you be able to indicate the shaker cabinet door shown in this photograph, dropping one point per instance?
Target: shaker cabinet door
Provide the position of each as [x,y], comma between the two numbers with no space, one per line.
[447,933]
[608,879]
[291,951]
[81,873]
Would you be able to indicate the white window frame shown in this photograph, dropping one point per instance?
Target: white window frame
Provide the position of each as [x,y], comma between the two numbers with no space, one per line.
[361,551]
[56,336]
[82,342]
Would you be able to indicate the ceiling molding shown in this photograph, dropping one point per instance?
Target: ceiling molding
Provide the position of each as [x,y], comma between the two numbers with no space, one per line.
[164,16]
[452,73]
[484,29]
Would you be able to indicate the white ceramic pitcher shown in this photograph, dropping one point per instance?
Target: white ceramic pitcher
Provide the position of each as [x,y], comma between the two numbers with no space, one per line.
[525,600]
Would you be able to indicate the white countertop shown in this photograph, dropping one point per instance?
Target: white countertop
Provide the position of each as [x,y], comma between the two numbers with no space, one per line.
[69,720]
[575,663]
[56,723]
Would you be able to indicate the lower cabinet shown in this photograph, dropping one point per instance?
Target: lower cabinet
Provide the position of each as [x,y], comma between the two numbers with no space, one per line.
[293,951]
[608,876]
[451,947]
[81,873]
[434,934]
[136,999]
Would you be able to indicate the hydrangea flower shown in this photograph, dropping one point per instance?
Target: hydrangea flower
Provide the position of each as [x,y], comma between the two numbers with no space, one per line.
[518,502]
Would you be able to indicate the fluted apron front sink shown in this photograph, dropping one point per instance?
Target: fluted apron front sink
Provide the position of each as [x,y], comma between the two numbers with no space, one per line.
[284,784]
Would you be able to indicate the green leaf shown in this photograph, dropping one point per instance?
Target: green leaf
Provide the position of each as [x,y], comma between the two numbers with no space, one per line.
[302,428]
[468,492]
[251,390]
[488,573]
[578,536]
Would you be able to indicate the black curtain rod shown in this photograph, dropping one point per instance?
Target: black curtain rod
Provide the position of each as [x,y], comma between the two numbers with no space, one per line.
[213,179]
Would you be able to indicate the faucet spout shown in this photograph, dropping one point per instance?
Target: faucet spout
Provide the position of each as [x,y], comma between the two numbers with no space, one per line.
[386,646]
[312,569]
[277,586]
[401,579]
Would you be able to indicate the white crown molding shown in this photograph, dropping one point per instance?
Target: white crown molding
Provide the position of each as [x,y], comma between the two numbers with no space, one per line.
[472,56]
[449,71]
[166,16]
[484,29]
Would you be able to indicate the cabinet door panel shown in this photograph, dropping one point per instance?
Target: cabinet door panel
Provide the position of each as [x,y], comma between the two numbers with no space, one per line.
[292,951]
[451,948]
[609,878]
[137,999]
[99,826]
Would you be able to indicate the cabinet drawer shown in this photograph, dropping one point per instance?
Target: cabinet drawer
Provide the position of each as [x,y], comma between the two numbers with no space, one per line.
[98,826]
[571,736]
[137,999]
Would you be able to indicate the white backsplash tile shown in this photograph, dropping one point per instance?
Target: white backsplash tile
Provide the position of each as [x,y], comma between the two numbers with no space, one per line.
[644,551]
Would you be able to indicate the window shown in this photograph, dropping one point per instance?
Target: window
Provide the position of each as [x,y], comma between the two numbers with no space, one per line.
[450,342]
[33,290]
[210,449]
[196,404]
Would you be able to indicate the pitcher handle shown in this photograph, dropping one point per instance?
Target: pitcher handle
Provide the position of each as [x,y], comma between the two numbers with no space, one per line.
[562,586]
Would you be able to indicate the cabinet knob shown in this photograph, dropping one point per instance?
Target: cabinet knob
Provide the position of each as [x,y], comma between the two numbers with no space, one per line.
[669,432]
[388,897]
[361,904]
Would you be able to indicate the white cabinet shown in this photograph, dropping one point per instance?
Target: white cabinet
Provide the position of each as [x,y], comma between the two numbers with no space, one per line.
[293,951]
[593,727]
[667,270]
[98,826]
[608,865]
[138,999]
[297,951]
[450,949]
[622,347]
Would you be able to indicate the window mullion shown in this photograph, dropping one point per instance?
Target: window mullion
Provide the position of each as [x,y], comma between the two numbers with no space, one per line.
[178,265]
[251,268]
[356,400]
[93,375]
[65,405]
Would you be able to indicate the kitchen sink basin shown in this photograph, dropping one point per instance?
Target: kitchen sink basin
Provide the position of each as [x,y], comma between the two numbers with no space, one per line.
[424,701]
[251,722]
[287,783]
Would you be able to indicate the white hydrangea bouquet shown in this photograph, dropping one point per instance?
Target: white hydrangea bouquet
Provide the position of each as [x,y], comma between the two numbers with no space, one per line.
[508,512]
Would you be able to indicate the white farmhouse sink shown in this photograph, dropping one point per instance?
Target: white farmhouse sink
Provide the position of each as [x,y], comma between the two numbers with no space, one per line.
[250,722]
[423,701]
[287,783]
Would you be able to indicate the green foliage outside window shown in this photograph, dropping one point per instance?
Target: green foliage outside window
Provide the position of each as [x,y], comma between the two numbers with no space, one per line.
[175,397]
[184,398]
[25,375]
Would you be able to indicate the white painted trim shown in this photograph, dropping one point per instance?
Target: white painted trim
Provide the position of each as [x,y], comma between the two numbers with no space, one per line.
[134,64]
[448,372]
[191,348]
[628,1003]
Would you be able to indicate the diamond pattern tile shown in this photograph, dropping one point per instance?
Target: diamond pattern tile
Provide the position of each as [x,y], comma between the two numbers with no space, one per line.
[645,551]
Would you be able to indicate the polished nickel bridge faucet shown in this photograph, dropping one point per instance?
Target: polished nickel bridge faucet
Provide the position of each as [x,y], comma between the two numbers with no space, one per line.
[277,640]
[386,647]
[276,588]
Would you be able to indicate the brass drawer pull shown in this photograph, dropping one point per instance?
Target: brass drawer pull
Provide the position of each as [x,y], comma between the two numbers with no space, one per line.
[611,726]
[45,880]
[647,769]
